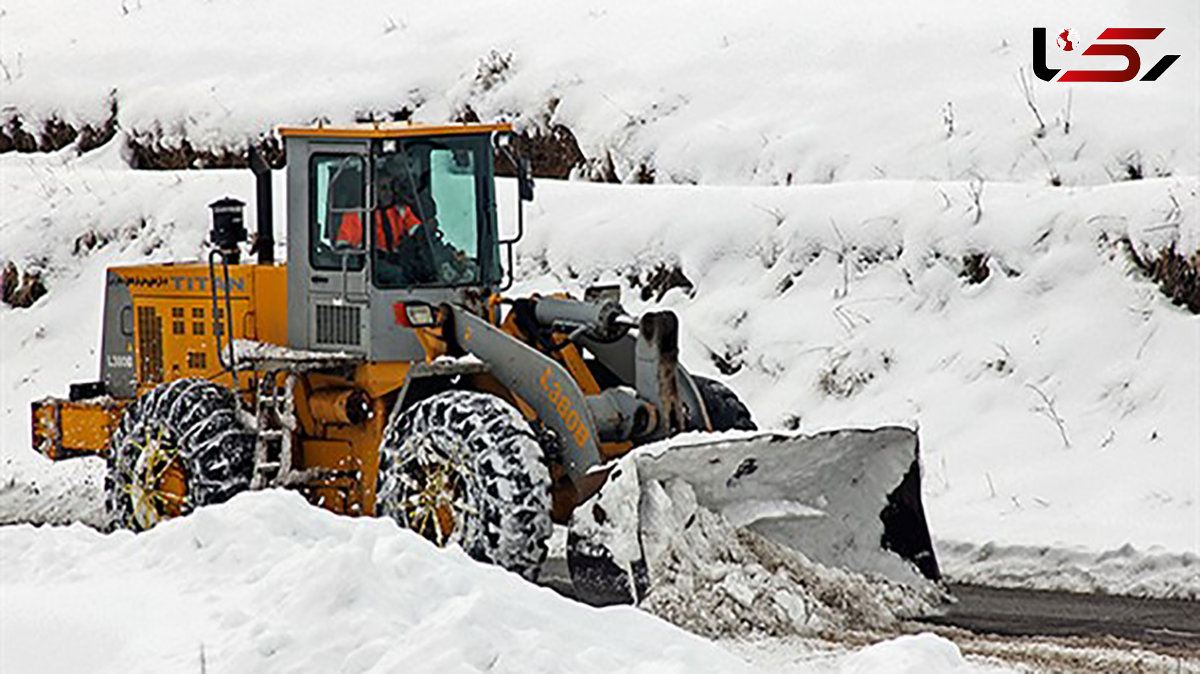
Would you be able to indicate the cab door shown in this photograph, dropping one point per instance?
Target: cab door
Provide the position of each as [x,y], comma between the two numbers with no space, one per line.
[328,226]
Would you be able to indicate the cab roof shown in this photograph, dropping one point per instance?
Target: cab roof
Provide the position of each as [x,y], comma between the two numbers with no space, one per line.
[389,130]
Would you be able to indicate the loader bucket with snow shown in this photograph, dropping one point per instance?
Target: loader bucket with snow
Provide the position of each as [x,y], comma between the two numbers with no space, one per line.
[849,499]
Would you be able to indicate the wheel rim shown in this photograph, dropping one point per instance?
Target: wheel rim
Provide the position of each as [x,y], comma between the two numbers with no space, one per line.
[157,484]
[434,479]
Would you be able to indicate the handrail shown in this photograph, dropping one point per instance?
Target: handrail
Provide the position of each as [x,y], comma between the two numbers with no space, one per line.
[231,366]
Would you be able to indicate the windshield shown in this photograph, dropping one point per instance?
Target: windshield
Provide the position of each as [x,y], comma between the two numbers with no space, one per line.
[432,214]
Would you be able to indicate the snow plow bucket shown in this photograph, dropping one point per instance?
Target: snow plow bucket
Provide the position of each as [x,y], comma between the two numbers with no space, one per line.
[849,499]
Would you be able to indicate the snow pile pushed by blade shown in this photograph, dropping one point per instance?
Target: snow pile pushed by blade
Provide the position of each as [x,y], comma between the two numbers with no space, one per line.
[824,494]
[753,534]
[718,580]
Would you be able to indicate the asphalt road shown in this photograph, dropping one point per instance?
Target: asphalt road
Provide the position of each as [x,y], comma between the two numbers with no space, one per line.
[988,610]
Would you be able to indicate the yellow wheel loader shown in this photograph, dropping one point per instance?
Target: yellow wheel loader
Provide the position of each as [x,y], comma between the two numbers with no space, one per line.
[381,372]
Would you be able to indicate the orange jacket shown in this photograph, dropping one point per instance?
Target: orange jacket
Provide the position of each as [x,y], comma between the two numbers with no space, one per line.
[350,230]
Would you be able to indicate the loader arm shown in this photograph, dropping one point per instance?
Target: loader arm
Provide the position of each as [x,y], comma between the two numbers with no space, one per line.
[646,361]
[541,382]
[637,363]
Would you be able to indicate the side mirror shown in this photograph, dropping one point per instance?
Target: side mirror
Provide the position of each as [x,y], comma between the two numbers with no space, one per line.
[524,179]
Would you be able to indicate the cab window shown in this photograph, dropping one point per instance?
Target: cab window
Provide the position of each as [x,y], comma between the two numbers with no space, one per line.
[337,205]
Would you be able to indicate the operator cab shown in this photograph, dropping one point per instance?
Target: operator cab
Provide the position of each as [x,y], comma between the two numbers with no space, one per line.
[384,216]
[427,204]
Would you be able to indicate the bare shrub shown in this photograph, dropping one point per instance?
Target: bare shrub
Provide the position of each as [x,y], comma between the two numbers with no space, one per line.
[1177,275]
[975,268]
[661,279]
[492,70]
[975,189]
[1046,408]
[20,289]
[1026,84]
[844,376]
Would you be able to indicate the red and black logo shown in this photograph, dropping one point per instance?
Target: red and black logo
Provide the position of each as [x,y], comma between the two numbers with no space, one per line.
[1110,47]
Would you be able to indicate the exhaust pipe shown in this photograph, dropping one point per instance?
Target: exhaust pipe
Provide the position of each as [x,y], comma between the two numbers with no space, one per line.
[264,240]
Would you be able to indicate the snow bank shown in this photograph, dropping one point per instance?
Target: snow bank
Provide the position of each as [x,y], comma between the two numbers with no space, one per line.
[267,583]
[705,91]
[913,654]
[1126,570]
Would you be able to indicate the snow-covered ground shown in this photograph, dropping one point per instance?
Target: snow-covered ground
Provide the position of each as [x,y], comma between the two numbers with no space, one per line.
[268,583]
[839,305]
[844,175]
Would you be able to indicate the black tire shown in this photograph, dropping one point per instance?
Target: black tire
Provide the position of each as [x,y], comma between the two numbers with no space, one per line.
[497,488]
[597,580]
[192,422]
[725,410]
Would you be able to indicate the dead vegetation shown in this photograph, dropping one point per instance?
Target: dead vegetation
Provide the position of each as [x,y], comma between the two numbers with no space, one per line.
[664,277]
[728,363]
[149,150]
[1133,167]
[551,147]
[1177,275]
[845,374]
[975,268]
[492,70]
[55,134]
[554,152]
[19,289]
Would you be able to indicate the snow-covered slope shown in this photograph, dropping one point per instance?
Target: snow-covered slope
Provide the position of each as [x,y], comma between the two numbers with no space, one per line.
[853,304]
[939,281]
[706,91]
[268,583]
[1056,398]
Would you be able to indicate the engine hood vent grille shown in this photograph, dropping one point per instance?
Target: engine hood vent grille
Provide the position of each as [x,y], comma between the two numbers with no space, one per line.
[339,325]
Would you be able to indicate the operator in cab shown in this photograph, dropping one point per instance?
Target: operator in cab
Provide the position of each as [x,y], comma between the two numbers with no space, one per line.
[408,246]
[394,218]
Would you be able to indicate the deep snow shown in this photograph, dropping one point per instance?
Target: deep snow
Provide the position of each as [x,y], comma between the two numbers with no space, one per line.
[268,583]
